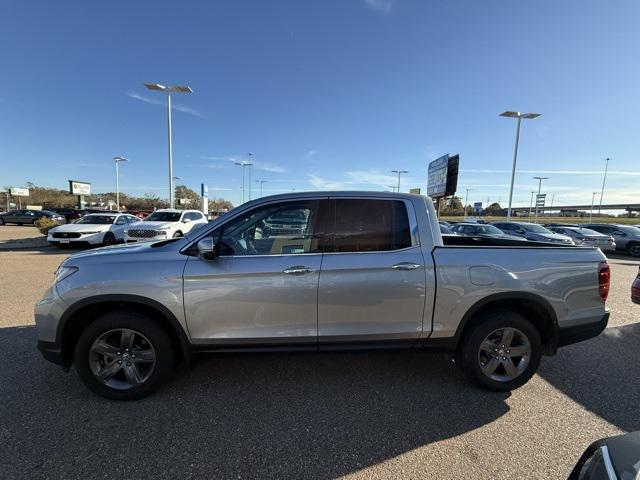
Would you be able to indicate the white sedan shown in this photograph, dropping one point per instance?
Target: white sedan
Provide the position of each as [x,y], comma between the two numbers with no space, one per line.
[94,229]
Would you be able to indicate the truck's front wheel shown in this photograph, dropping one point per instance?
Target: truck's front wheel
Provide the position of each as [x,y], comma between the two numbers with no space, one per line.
[123,355]
[501,351]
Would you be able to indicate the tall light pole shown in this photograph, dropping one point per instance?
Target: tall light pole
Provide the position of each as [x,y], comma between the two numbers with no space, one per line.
[539,187]
[168,91]
[399,172]
[531,204]
[519,116]
[606,167]
[261,182]
[117,160]
[244,164]
[249,165]
[174,178]
[593,196]
[466,201]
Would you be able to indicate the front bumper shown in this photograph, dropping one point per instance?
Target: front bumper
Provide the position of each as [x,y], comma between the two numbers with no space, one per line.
[52,351]
[90,239]
[585,331]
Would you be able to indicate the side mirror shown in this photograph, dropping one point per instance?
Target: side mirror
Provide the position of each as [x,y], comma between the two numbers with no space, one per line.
[186,220]
[207,249]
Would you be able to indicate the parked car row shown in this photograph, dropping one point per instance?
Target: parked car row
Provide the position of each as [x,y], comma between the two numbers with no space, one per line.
[607,237]
[29,217]
[108,228]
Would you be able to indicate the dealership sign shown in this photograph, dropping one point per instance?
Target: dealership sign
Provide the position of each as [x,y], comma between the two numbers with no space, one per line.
[79,188]
[443,176]
[19,192]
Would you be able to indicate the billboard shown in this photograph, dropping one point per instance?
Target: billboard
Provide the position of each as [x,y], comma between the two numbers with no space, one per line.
[477,208]
[19,192]
[540,199]
[443,176]
[79,188]
[415,191]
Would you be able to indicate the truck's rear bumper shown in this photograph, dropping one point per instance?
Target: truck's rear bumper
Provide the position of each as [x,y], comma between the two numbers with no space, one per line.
[578,333]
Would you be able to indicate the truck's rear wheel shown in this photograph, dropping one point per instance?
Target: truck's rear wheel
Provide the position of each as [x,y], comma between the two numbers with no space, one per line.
[501,351]
[123,355]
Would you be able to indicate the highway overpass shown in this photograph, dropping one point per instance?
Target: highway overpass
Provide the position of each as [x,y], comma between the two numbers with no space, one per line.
[629,207]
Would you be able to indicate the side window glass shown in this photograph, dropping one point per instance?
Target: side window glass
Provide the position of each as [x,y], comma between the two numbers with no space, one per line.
[279,229]
[363,225]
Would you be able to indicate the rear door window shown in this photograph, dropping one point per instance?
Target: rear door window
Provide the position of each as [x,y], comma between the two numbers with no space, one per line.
[369,225]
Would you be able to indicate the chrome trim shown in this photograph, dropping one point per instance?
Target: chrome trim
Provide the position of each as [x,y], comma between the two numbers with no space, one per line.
[611,473]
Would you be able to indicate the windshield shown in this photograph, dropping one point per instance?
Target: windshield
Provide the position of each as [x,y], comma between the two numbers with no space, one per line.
[630,230]
[163,217]
[532,227]
[97,219]
[489,229]
[587,231]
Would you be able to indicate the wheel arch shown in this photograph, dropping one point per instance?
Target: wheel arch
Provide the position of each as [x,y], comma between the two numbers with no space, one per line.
[79,315]
[533,307]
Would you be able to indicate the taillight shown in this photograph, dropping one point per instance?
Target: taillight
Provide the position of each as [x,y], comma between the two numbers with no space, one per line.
[604,280]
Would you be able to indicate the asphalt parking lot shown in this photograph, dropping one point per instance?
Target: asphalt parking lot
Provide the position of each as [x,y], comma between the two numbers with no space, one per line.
[365,415]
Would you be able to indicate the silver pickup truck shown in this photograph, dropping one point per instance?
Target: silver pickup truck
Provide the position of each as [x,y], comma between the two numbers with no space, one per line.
[361,270]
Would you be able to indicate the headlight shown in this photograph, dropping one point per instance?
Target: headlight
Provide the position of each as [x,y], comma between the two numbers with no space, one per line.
[64,272]
[88,233]
[163,228]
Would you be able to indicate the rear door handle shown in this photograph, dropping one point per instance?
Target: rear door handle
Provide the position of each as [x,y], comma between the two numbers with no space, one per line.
[298,270]
[406,266]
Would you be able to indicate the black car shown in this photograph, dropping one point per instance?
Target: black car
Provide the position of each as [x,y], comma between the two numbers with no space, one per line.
[70,214]
[613,458]
[482,230]
[29,217]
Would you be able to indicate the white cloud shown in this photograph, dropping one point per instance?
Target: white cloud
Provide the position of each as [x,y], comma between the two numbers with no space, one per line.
[156,101]
[257,164]
[320,183]
[383,6]
[372,177]
[310,153]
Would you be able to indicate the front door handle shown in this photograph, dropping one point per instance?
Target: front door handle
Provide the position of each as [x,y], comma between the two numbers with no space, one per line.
[298,270]
[406,266]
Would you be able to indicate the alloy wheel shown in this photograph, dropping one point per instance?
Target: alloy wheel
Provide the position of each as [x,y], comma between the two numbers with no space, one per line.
[634,250]
[504,354]
[122,358]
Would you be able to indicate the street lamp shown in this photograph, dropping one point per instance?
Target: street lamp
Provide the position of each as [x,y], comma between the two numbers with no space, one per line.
[117,160]
[593,196]
[399,172]
[174,178]
[531,204]
[539,186]
[466,201]
[261,182]
[519,116]
[168,91]
[606,167]
[244,164]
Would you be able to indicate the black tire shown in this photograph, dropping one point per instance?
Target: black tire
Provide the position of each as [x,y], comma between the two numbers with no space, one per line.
[177,235]
[108,239]
[1,221]
[634,249]
[469,353]
[124,319]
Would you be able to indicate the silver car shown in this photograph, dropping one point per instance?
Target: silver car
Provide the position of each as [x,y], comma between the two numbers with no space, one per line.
[352,270]
[586,236]
[627,238]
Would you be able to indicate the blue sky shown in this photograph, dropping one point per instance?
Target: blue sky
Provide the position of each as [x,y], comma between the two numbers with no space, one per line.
[327,94]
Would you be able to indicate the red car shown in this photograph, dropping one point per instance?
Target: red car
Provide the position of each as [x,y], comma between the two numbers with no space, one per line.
[635,289]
